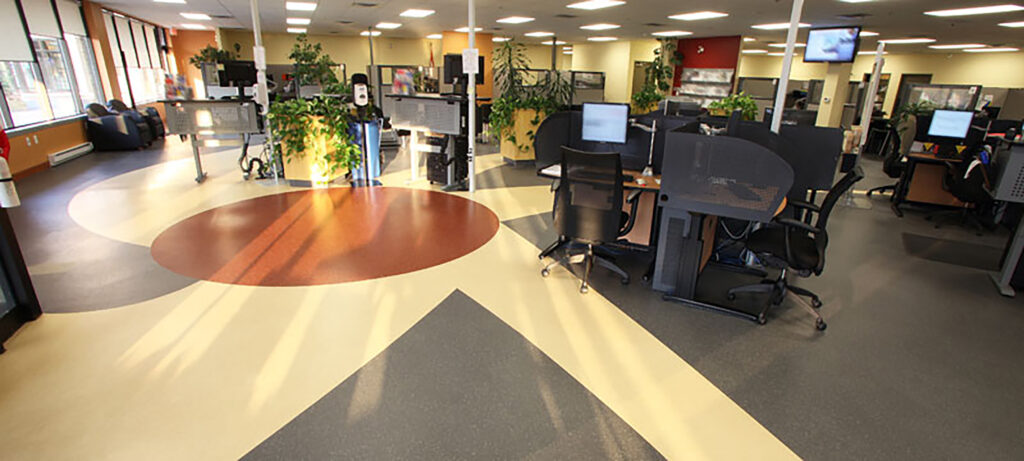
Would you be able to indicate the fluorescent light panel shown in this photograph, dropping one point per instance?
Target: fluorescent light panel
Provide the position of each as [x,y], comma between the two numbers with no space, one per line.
[778,26]
[1012,24]
[600,26]
[698,15]
[196,16]
[596,4]
[193,26]
[500,39]
[416,13]
[602,39]
[871,53]
[671,33]
[435,37]
[783,45]
[868,33]
[366,33]
[976,10]
[300,6]
[388,25]
[296,30]
[297,21]
[515,20]
[992,50]
[539,34]
[755,51]
[466,29]
[749,39]
[549,42]
[907,41]
[180,2]
[962,46]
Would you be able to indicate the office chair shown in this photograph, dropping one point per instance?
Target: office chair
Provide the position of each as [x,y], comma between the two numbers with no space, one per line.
[588,210]
[793,244]
[893,153]
[969,183]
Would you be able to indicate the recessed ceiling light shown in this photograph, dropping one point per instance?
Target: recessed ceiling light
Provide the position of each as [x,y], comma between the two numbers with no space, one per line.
[193,26]
[367,33]
[601,26]
[296,30]
[602,39]
[196,16]
[778,26]
[567,52]
[596,4]
[500,39]
[749,39]
[297,21]
[1012,24]
[435,37]
[515,20]
[566,47]
[976,10]
[775,54]
[388,25]
[698,15]
[549,42]
[300,6]
[868,33]
[872,53]
[907,41]
[992,50]
[783,45]
[415,13]
[181,2]
[755,51]
[962,46]
[539,34]
[671,33]
[466,29]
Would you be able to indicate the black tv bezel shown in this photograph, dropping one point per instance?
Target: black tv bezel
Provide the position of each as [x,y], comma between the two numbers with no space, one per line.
[629,112]
[856,45]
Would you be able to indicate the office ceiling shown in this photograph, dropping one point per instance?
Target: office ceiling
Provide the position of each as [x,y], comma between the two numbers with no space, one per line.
[638,18]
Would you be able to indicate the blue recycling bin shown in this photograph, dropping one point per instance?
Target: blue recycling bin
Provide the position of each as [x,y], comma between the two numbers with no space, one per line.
[372,145]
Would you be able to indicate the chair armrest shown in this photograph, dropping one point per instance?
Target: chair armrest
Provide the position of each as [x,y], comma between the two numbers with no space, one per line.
[804,205]
[634,195]
[792,223]
[634,204]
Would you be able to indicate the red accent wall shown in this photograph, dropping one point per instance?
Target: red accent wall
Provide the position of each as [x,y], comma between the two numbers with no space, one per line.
[719,53]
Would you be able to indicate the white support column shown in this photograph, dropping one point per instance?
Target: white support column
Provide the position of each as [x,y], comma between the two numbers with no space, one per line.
[259,55]
[869,98]
[472,103]
[787,64]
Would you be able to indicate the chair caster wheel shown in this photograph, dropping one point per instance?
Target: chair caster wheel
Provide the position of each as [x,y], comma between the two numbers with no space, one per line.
[820,325]
[731,296]
[816,303]
[625,281]
[762,319]
[646,278]
[545,273]
[584,290]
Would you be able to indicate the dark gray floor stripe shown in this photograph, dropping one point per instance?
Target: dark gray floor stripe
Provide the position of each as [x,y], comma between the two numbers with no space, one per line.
[460,384]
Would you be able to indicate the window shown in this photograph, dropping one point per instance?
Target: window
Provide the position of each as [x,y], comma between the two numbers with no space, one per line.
[83,62]
[23,89]
[140,72]
[56,76]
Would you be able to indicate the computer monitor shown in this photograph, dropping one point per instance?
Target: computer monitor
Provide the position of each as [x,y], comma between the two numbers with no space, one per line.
[453,69]
[950,124]
[605,122]
[239,73]
[832,44]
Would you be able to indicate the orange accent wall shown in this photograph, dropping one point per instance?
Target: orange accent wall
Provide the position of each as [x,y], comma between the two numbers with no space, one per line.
[26,158]
[185,44]
[455,42]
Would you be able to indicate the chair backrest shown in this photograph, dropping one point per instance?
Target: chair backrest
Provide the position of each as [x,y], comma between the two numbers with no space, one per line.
[96,110]
[893,164]
[841,187]
[118,105]
[588,203]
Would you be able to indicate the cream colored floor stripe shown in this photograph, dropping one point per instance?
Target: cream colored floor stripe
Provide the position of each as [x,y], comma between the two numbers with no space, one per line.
[212,370]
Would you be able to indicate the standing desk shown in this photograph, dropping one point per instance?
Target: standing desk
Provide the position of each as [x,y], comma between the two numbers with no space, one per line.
[921,181]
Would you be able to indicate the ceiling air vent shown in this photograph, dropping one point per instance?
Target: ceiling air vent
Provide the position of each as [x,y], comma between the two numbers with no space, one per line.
[344,22]
[222,16]
[365,4]
[853,16]
[565,16]
[654,24]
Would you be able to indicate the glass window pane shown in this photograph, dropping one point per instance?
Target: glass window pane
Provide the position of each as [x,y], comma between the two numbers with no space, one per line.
[57,76]
[83,62]
[26,96]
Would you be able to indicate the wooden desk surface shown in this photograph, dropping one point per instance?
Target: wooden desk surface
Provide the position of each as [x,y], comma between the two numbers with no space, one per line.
[928,156]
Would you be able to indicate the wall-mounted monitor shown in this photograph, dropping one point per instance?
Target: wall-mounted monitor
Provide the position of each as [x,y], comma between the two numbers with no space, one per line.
[832,44]
[605,122]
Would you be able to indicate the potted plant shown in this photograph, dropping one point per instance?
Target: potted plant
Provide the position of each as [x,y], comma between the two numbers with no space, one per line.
[520,109]
[212,54]
[658,75]
[740,101]
[311,65]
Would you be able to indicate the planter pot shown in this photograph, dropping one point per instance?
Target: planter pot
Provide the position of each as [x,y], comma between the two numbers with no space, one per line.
[523,127]
[309,169]
[720,112]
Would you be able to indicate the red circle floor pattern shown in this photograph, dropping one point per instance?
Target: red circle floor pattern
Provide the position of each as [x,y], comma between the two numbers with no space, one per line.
[318,237]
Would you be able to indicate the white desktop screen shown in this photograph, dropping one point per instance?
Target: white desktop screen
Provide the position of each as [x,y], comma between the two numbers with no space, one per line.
[605,122]
[950,124]
[832,45]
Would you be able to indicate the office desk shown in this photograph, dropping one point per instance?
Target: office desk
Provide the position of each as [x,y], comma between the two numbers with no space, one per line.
[922,181]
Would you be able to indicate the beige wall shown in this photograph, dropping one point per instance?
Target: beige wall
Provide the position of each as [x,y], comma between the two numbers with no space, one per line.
[1000,70]
[613,59]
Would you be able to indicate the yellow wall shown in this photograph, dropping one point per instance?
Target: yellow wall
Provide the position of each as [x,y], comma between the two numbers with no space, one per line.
[612,58]
[998,70]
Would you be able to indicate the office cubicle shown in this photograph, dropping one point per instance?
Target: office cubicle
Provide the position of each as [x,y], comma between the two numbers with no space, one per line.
[952,97]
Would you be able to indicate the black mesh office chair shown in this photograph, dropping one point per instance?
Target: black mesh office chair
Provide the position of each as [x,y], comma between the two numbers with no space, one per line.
[893,153]
[588,210]
[795,245]
[970,184]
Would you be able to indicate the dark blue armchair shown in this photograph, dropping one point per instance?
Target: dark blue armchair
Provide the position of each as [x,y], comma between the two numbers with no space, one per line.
[108,131]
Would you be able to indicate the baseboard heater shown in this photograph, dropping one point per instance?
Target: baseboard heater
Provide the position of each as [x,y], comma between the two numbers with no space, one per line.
[68,155]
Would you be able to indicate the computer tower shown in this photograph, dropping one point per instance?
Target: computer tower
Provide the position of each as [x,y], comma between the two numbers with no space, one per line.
[679,251]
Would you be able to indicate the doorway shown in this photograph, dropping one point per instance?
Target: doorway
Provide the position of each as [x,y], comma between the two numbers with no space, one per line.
[639,74]
[904,91]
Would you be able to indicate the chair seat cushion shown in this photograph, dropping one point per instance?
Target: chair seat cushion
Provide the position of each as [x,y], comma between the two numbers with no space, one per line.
[773,240]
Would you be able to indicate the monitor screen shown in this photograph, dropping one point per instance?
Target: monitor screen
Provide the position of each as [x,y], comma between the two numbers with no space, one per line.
[239,72]
[837,44]
[453,69]
[605,122]
[950,124]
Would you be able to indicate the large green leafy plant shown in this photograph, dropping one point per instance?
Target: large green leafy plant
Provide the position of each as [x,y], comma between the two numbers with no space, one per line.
[297,122]
[312,65]
[917,109]
[212,54]
[553,92]
[658,76]
[740,101]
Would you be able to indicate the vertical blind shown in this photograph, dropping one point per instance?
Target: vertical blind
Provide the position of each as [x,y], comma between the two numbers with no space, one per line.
[71,17]
[15,45]
[40,17]
[141,50]
[124,38]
